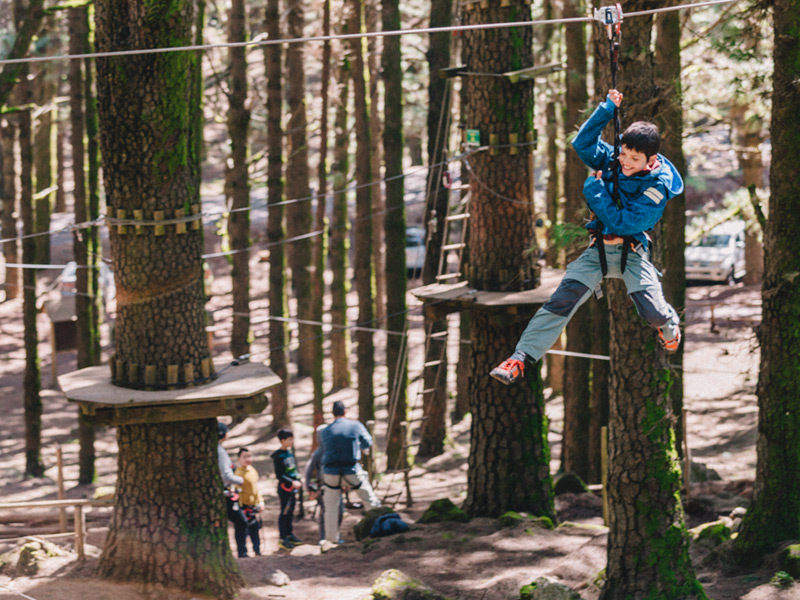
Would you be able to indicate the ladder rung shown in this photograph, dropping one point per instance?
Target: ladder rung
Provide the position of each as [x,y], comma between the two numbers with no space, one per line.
[453,246]
[429,390]
[459,217]
[411,445]
[448,276]
[431,363]
[459,187]
[438,334]
[422,418]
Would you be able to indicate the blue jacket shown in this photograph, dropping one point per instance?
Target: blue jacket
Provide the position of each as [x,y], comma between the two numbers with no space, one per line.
[343,441]
[643,195]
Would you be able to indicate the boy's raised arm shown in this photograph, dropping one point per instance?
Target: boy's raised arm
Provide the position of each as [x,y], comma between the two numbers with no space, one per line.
[592,150]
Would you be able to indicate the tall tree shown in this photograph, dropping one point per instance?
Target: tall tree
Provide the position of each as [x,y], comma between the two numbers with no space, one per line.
[150,171]
[769,520]
[8,222]
[239,221]
[27,19]
[281,413]
[363,264]
[577,393]
[648,546]
[340,223]
[32,379]
[395,232]
[320,221]
[372,18]
[509,455]
[45,87]
[299,214]
[87,304]
[670,121]
[434,377]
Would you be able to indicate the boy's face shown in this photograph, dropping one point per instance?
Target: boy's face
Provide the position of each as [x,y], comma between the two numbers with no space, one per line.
[631,161]
[287,442]
[245,459]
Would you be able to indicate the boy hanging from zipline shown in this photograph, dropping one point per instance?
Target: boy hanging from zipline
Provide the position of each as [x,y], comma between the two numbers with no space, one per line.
[619,246]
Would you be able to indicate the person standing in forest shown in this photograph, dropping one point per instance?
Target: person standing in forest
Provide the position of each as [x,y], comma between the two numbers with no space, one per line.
[619,246]
[229,479]
[343,440]
[251,503]
[288,483]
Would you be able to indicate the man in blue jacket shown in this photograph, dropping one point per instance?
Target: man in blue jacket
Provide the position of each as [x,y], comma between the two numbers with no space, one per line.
[619,245]
[343,440]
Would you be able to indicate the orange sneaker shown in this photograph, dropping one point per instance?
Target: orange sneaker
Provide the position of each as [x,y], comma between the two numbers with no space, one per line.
[670,346]
[508,371]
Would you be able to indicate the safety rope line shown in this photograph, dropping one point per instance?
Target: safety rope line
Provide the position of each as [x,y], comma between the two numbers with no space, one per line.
[350,36]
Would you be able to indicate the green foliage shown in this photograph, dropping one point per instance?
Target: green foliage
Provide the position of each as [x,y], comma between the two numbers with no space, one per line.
[782,580]
[566,236]
[526,591]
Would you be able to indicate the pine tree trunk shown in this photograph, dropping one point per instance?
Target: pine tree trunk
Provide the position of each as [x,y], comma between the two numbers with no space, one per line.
[320,222]
[395,232]
[8,222]
[363,265]
[434,399]
[32,378]
[575,453]
[44,141]
[747,128]
[299,214]
[27,21]
[648,545]
[673,223]
[340,224]
[769,520]
[239,220]
[150,165]
[87,303]
[599,398]
[509,455]
[278,355]
[379,203]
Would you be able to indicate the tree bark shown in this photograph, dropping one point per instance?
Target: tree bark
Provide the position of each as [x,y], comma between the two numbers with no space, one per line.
[150,165]
[395,232]
[434,399]
[44,140]
[32,378]
[364,272]
[340,225]
[8,222]
[87,304]
[648,545]
[320,221]
[28,20]
[769,520]
[299,214]
[239,220]
[278,355]
[673,223]
[509,455]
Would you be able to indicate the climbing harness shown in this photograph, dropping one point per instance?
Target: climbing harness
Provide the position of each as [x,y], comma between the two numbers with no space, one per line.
[611,17]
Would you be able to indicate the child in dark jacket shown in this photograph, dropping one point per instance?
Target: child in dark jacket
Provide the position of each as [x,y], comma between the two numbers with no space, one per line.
[646,180]
[288,484]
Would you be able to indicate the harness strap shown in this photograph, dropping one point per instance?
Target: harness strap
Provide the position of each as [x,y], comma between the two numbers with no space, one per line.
[597,240]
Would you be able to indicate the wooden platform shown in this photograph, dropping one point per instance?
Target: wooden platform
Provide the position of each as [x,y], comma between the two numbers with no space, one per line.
[239,390]
[443,299]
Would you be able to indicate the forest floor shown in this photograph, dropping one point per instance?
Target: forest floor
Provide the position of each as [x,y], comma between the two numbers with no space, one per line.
[480,560]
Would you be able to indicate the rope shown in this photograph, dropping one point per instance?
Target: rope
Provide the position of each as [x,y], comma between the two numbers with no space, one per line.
[348,36]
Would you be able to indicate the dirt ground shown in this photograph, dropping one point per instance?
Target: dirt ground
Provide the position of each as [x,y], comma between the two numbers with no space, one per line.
[476,561]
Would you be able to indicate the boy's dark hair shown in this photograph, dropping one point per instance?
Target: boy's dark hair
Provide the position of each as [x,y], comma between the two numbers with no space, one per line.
[338,408]
[285,433]
[643,137]
[242,451]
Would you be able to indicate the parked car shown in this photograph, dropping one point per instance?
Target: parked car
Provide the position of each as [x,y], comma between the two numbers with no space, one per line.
[718,255]
[415,250]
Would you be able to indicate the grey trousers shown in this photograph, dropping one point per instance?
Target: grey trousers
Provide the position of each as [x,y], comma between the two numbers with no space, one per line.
[332,494]
[583,275]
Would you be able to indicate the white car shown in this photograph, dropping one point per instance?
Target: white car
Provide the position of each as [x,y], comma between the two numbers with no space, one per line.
[415,250]
[719,255]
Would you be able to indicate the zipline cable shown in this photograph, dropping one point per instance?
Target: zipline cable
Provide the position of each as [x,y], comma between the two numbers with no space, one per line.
[349,36]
